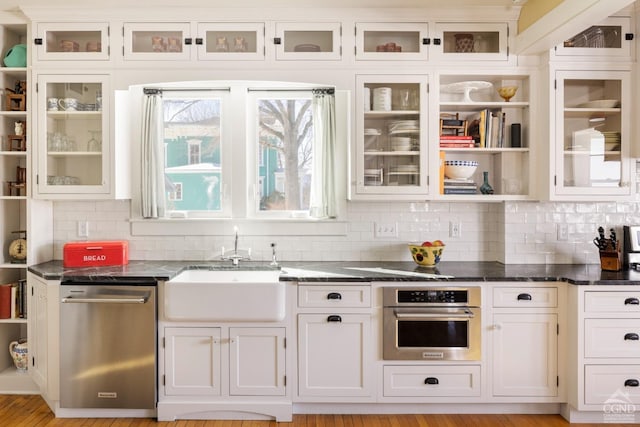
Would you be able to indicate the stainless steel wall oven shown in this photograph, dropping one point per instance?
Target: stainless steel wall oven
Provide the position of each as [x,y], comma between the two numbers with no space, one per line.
[431,323]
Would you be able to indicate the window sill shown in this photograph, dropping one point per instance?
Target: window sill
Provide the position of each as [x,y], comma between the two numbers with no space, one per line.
[224,227]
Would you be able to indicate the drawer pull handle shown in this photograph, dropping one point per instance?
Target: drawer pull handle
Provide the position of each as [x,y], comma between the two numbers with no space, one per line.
[524,297]
[632,383]
[431,381]
[334,318]
[631,336]
[334,295]
[632,301]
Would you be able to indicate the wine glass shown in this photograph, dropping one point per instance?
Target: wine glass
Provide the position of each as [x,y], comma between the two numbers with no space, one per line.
[94,144]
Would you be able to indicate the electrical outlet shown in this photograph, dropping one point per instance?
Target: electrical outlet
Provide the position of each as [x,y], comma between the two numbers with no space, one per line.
[562,231]
[385,230]
[454,229]
[83,228]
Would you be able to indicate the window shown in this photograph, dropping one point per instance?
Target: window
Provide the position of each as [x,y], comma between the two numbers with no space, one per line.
[193,143]
[284,143]
[241,153]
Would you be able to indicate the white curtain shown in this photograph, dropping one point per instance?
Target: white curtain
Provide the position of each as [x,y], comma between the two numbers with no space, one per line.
[153,183]
[323,203]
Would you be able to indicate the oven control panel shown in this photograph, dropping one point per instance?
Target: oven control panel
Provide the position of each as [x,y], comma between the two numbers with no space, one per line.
[447,296]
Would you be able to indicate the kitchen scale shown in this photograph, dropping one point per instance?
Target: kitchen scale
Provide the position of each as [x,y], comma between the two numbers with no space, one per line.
[18,248]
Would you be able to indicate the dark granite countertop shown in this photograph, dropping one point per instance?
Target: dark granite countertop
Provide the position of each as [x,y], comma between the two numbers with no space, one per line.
[590,274]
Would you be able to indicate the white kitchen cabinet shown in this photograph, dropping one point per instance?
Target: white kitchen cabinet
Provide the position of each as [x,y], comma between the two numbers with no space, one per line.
[592,112]
[392,41]
[75,149]
[471,41]
[230,41]
[390,154]
[604,349]
[72,41]
[192,361]
[255,361]
[334,355]
[308,41]
[499,132]
[157,41]
[431,381]
[611,38]
[524,334]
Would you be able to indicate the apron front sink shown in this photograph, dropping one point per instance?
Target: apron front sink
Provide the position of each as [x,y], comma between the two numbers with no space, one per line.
[225,296]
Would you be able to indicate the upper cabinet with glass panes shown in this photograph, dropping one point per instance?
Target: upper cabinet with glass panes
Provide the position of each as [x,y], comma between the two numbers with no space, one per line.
[157,41]
[471,41]
[72,41]
[612,37]
[308,41]
[392,41]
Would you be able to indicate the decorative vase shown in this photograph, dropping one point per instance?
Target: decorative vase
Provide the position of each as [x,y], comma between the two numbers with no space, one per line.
[18,351]
[485,188]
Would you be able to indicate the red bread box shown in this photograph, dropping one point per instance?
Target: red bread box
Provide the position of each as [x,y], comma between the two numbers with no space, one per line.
[95,254]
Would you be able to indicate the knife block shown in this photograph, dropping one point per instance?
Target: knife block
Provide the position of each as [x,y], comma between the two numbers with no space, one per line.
[611,260]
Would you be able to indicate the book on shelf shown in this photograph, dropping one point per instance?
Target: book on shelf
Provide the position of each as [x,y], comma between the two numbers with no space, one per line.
[459,186]
[487,128]
[465,144]
[469,190]
[456,137]
[13,300]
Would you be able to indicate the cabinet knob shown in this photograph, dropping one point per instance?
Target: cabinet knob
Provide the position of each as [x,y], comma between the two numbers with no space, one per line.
[628,36]
[37,41]
[277,40]
[631,301]
[334,295]
[334,318]
[188,40]
[437,42]
[524,297]
[631,383]
[426,40]
[631,336]
[431,381]
[199,41]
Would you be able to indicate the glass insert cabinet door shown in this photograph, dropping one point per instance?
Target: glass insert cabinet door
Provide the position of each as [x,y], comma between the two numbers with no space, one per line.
[230,41]
[157,41]
[391,155]
[465,41]
[308,41]
[72,41]
[73,134]
[611,37]
[592,133]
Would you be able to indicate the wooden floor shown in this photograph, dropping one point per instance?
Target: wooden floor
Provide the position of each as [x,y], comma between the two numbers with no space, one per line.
[31,411]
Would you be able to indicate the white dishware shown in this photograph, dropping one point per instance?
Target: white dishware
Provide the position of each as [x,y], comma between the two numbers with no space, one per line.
[52,104]
[465,88]
[68,104]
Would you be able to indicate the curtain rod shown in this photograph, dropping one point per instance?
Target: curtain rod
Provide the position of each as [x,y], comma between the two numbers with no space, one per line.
[327,89]
[154,90]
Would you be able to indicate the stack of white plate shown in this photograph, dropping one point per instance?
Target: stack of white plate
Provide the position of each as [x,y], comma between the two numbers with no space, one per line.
[382,99]
[371,131]
[612,140]
[405,168]
[403,126]
[400,143]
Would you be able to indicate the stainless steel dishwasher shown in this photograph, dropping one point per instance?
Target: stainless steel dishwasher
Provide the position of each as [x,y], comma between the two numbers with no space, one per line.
[108,344]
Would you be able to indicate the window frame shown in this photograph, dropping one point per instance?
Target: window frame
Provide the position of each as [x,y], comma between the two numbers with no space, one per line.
[180,224]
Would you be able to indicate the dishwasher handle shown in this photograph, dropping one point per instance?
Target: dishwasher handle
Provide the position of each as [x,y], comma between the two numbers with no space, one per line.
[105,300]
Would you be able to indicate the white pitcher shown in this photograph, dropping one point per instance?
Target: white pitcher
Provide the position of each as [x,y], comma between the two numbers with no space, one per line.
[19,353]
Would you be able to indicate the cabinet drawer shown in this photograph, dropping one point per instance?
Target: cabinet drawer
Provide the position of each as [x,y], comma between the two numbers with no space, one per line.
[614,302]
[436,380]
[605,383]
[525,297]
[345,296]
[612,338]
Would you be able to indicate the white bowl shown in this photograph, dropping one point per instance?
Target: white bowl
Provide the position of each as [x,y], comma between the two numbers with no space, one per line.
[460,169]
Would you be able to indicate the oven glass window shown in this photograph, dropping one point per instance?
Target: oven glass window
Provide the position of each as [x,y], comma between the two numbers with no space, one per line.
[445,333]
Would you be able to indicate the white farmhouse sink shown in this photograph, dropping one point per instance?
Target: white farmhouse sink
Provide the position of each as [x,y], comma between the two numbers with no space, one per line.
[225,296]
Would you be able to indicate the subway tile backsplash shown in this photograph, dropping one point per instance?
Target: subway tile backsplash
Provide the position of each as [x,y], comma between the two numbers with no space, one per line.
[510,232]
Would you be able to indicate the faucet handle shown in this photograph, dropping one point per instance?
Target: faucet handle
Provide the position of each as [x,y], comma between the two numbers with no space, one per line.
[274,261]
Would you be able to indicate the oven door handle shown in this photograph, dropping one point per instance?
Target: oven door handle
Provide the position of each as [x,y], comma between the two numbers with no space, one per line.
[105,300]
[462,314]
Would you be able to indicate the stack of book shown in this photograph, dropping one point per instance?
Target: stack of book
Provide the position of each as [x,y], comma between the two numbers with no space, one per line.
[460,186]
[13,300]
[456,141]
[488,128]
